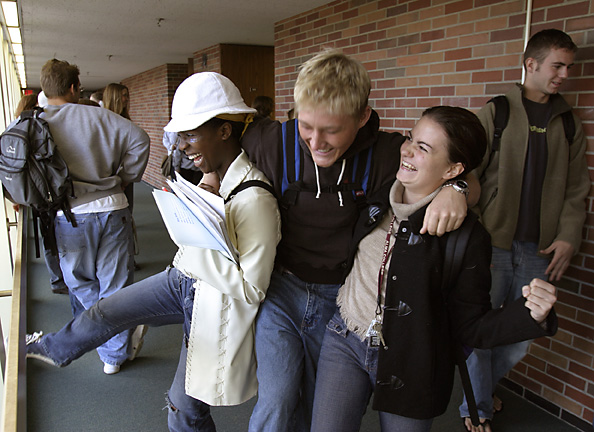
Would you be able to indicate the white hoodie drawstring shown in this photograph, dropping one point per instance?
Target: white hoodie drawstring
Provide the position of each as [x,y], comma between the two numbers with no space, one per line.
[318,181]
[338,183]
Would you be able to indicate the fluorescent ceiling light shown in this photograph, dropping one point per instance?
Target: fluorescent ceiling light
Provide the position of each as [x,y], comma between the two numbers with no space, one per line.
[11,14]
[19,58]
[17,49]
[15,35]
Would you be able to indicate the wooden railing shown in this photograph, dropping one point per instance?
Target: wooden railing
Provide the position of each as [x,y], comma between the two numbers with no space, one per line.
[14,409]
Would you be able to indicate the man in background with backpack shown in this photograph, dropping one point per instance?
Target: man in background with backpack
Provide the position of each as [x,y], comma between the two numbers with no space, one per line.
[104,152]
[534,181]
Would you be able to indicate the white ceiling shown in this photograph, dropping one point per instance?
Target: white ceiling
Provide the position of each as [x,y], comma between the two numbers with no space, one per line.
[111,40]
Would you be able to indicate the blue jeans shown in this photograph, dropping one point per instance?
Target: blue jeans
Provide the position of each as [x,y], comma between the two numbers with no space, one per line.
[52,263]
[96,259]
[346,380]
[162,299]
[510,271]
[289,332]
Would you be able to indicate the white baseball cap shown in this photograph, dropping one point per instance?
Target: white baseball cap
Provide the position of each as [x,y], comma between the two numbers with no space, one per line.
[201,97]
[42,100]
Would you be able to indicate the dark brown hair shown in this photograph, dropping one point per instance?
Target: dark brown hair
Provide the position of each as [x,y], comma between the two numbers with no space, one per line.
[467,139]
[544,41]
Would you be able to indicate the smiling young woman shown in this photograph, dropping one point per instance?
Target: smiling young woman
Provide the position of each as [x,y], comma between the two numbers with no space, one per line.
[394,330]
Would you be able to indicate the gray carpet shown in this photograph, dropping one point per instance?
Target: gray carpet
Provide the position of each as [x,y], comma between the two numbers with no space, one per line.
[81,397]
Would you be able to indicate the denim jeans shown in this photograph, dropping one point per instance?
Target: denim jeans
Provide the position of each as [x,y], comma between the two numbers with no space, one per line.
[162,299]
[346,380]
[52,262]
[289,332]
[186,414]
[510,271]
[96,259]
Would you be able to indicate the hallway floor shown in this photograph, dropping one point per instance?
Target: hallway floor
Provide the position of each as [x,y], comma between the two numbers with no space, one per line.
[81,397]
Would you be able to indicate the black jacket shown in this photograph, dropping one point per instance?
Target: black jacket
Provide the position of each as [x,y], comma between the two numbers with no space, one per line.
[415,374]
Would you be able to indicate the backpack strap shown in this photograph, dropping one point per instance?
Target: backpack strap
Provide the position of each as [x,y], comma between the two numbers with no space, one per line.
[499,121]
[568,126]
[48,220]
[292,168]
[248,184]
[456,245]
[360,177]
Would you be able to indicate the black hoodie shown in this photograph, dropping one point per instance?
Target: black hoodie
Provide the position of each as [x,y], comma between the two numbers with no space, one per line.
[316,232]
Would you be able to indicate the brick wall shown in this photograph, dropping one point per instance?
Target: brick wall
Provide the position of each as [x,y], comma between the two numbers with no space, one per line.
[212,56]
[422,53]
[151,94]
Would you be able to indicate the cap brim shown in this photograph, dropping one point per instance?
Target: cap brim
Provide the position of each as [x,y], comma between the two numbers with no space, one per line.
[191,122]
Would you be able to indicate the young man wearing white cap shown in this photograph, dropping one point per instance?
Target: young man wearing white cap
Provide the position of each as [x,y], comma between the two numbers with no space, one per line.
[217,364]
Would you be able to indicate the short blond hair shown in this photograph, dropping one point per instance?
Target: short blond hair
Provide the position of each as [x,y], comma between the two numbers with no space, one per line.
[335,82]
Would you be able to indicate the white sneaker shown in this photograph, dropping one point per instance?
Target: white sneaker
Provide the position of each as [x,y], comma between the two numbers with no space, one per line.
[32,337]
[136,341]
[110,369]
[36,350]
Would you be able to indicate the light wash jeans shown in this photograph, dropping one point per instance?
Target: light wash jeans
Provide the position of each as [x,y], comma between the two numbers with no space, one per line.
[346,380]
[162,299]
[289,332]
[510,271]
[52,263]
[96,259]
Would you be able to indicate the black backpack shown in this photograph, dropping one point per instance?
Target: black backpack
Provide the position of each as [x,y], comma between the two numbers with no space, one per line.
[34,174]
[249,184]
[456,244]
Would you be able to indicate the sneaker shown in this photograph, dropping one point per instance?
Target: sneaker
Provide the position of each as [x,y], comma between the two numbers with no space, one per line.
[136,341]
[36,350]
[110,369]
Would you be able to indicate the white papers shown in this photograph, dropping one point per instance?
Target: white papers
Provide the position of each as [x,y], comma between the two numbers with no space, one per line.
[195,217]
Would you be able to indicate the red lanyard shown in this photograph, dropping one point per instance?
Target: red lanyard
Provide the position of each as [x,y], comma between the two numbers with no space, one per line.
[380,277]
